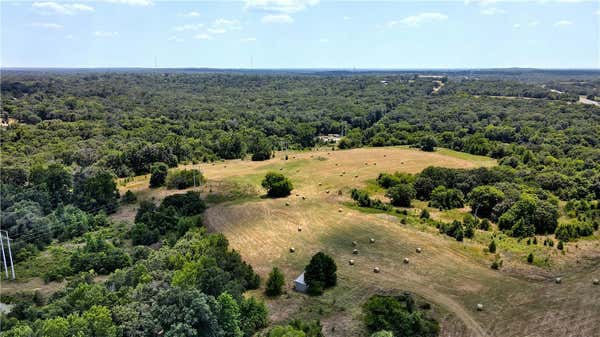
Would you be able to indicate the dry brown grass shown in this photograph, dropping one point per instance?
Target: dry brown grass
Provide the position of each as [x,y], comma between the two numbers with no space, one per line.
[454,276]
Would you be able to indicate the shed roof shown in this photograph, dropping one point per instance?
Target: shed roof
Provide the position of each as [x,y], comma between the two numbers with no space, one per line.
[300,279]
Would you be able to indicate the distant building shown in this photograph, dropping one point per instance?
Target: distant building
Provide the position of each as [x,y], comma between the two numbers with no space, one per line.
[300,285]
[330,138]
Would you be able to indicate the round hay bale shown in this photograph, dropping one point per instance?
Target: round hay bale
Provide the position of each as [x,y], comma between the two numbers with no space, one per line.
[558,280]
[372,240]
[336,164]
[320,184]
[355,251]
[340,210]
[376,270]
[354,243]
[356,176]
[327,191]
[303,198]
[292,249]
[351,262]
[406,261]
[287,203]
[479,307]
[385,155]
[596,281]
[299,229]
[419,249]
[297,194]
[374,164]
[281,169]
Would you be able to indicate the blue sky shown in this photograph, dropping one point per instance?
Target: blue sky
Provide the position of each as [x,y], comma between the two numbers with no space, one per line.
[301,34]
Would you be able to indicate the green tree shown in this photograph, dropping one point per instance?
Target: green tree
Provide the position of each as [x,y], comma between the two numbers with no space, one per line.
[96,190]
[158,174]
[401,195]
[56,180]
[274,282]
[482,200]
[320,273]
[55,327]
[100,322]
[228,315]
[277,185]
[383,333]
[446,198]
[286,331]
[530,258]
[428,143]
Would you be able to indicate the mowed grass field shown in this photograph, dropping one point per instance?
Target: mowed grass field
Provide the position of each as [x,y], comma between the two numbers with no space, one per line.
[519,300]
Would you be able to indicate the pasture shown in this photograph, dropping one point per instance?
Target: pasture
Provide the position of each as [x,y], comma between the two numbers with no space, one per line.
[519,300]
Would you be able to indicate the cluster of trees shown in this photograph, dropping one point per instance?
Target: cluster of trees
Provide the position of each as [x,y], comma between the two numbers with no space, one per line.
[193,288]
[176,214]
[398,316]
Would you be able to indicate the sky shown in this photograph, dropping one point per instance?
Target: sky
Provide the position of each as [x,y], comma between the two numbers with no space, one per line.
[301,34]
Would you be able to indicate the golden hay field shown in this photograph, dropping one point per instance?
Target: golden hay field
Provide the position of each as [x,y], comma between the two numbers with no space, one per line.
[520,300]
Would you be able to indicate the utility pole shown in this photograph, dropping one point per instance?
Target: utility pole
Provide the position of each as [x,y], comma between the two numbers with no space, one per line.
[12,267]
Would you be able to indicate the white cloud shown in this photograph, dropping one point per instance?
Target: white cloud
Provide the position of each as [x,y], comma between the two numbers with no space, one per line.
[203,36]
[481,2]
[226,24]
[106,34]
[533,23]
[143,3]
[598,12]
[66,9]
[492,11]
[249,39]
[563,23]
[217,30]
[323,40]
[346,18]
[46,25]
[194,26]
[175,39]
[277,18]
[281,6]
[416,20]
[192,14]
[517,26]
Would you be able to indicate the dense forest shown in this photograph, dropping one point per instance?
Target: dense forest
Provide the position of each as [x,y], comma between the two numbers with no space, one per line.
[67,136]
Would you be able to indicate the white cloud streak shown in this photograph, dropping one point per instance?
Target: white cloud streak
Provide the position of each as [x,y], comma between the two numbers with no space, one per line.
[106,34]
[47,25]
[280,6]
[51,7]
[417,20]
[277,18]
[563,23]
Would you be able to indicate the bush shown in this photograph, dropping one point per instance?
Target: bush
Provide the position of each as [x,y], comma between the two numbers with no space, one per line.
[401,195]
[571,231]
[363,200]
[142,235]
[320,273]
[274,282]
[484,224]
[530,258]
[424,214]
[492,247]
[277,185]
[129,197]
[180,179]
[158,174]
[560,245]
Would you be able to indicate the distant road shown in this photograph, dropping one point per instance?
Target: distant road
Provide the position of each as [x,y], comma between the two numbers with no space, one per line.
[585,100]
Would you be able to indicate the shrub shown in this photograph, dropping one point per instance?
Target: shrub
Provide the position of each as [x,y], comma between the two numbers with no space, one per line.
[530,258]
[560,245]
[320,273]
[129,197]
[484,224]
[571,231]
[401,195]
[492,247]
[274,282]
[424,214]
[277,185]
[142,235]
[180,179]
[158,174]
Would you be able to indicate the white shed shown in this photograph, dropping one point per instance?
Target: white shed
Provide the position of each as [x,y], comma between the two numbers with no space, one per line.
[300,285]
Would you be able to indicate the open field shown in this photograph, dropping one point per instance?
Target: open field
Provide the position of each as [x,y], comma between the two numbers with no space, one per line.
[519,300]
